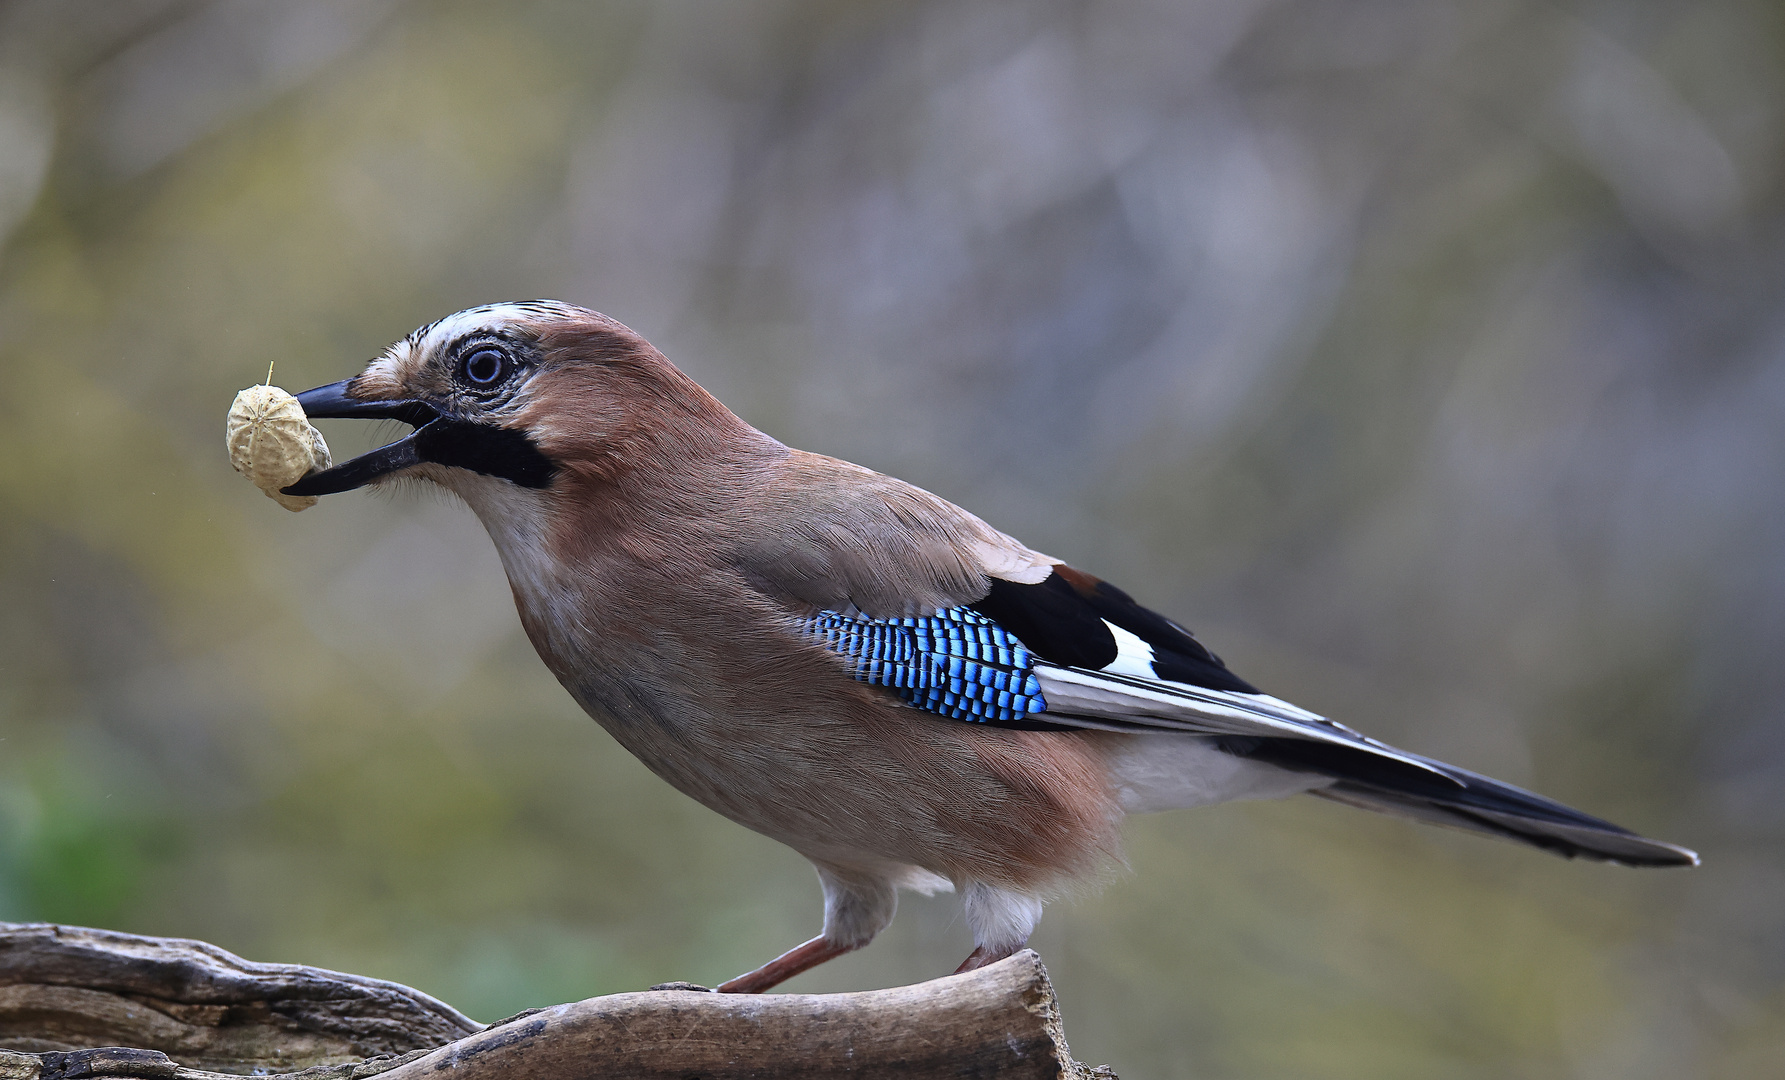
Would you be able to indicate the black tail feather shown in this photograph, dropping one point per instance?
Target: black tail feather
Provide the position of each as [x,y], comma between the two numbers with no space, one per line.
[1470,801]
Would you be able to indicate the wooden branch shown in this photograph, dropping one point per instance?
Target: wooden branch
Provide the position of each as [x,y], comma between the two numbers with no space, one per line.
[78,1004]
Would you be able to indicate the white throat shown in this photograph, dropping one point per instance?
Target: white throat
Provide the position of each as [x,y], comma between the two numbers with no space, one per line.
[516,519]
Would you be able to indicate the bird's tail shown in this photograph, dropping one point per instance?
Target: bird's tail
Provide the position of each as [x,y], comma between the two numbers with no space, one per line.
[1471,802]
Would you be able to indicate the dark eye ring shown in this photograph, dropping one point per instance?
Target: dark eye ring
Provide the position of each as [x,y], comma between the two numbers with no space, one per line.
[485,367]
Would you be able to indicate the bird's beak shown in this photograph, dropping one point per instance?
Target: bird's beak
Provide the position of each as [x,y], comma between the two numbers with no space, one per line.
[481,447]
[332,401]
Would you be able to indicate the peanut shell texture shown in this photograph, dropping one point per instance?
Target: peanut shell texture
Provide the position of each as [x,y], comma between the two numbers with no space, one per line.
[272,443]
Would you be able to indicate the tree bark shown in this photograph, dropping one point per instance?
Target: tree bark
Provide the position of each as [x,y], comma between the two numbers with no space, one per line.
[79,1004]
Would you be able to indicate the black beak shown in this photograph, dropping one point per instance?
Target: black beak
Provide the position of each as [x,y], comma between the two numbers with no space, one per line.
[331,402]
[484,448]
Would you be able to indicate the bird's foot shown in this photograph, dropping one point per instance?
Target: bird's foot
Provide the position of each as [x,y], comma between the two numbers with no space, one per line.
[982,956]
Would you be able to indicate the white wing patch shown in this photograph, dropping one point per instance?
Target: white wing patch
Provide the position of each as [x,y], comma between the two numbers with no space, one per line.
[1133,656]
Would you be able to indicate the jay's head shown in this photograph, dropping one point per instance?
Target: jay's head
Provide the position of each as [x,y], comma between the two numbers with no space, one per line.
[527,393]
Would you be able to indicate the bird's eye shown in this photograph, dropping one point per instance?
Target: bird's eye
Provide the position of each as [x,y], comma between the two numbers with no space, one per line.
[485,368]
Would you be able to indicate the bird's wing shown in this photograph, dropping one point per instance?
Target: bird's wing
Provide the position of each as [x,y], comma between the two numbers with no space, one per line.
[923,598]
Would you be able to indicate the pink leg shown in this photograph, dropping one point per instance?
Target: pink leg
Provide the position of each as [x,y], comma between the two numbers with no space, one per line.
[786,966]
[982,956]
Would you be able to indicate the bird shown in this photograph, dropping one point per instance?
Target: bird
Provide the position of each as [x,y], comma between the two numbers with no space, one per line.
[845,662]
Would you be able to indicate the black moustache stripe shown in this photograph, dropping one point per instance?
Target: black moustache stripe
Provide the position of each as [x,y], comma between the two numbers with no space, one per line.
[482,448]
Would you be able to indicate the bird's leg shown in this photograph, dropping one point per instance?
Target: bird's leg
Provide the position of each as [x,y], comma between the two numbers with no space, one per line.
[857,905]
[984,955]
[1002,919]
[786,966]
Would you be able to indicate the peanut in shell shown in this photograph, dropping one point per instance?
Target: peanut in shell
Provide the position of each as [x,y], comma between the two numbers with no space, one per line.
[272,443]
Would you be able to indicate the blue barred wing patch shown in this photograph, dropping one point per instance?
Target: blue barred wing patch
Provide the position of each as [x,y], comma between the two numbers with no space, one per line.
[956,662]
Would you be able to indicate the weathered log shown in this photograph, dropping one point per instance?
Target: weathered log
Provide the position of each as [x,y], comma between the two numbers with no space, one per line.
[78,1004]
[67,988]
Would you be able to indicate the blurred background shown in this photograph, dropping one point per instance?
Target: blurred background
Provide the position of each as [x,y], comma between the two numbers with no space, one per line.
[1426,357]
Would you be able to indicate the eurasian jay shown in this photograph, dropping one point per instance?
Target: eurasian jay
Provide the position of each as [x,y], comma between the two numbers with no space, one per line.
[844,662]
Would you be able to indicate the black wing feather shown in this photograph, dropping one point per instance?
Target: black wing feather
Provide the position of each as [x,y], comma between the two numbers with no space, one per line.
[1061,620]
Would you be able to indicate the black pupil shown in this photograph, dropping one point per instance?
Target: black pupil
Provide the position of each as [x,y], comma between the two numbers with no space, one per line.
[484,366]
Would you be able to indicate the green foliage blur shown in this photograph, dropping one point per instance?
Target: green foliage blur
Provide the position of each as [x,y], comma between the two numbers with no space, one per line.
[1426,358]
